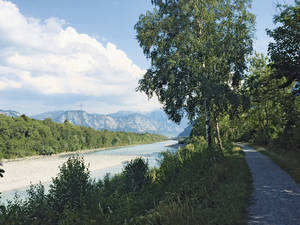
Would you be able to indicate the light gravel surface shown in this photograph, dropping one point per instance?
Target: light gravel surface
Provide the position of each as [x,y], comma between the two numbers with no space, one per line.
[22,173]
[276,196]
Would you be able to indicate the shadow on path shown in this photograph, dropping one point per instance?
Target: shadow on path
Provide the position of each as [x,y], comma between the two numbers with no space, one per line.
[276,196]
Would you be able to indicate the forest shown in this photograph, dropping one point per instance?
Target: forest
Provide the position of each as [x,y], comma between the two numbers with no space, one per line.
[209,72]
[23,136]
[266,115]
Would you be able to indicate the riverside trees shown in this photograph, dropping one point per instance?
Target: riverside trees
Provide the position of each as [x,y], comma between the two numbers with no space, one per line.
[23,136]
[273,115]
[197,50]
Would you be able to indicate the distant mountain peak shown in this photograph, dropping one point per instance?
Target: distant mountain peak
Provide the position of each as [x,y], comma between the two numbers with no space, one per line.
[10,113]
[129,121]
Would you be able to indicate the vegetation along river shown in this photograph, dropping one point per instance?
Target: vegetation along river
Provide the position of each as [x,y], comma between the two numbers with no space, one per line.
[21,173]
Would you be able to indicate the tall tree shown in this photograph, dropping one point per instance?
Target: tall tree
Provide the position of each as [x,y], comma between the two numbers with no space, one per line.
[196,47]
[285,51]
[1,171]
[273,115]
[265,116]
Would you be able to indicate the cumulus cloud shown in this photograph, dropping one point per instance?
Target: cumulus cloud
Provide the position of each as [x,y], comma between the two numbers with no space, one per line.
[50,58]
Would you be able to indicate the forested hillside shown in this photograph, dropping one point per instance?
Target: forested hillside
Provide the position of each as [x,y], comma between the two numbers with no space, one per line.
[22,136]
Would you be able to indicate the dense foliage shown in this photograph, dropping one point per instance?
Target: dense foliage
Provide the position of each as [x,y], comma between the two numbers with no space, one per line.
[198,52]
[285,50]
[23,136]
[192,186]
[273,115]
[264,110]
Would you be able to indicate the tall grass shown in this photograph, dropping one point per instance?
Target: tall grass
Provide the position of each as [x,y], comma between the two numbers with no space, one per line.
[195,185]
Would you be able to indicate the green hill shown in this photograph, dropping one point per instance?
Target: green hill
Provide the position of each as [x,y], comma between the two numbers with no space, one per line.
[22,136]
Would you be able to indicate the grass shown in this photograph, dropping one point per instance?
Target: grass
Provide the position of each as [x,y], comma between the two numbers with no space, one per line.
[194,186]
[222,197]
[289,161]
[237,187]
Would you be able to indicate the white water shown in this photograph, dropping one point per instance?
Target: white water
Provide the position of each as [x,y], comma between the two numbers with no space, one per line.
[20,174]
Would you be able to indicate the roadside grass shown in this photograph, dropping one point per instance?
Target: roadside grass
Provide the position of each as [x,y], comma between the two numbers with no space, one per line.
[289,161]
[237,187]
[234,193]
[221,196]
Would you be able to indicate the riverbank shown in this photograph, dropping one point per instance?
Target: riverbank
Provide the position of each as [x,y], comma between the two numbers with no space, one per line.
[82,151]
[191,186]
[25,137]
[22,173]
[176,146]
[32,170]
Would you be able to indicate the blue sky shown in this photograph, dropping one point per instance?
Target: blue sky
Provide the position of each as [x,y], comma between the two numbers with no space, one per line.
[58,54]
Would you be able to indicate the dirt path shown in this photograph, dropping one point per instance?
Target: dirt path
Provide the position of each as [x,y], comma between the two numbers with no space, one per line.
[276,196]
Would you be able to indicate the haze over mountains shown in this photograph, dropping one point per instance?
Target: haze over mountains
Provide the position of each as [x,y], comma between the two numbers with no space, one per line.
[187,131]
[10,113]
[152,122]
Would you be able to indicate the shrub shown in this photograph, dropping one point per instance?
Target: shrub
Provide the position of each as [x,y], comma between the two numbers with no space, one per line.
[194,185]
[136,174]
[72,188]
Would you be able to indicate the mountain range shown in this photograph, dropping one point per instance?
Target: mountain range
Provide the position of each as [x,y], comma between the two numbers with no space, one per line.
[152,122]
[187,131]
[10,113]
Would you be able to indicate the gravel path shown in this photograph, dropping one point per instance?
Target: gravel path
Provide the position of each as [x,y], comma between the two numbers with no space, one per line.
[276,196]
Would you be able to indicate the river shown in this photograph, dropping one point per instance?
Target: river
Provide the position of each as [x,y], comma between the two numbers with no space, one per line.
[20,174]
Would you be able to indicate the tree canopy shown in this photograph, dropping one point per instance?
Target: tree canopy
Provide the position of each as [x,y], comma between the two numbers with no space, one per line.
[273,115]
[285,50]
[197,50]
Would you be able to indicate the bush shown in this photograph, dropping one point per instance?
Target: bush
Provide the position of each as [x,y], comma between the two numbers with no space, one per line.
[72,187]
[136,174]
[194,185]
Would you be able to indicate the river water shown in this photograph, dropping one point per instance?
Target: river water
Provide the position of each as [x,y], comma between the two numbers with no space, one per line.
[20,174]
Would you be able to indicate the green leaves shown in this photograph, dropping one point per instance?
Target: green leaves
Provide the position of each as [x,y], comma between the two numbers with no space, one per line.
[285,51]
[136,174]
[194,47]
[72,185]
[21,137]
[273,114]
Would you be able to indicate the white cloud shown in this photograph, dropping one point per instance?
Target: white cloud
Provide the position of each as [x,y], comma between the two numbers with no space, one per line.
[7,84]
[49,58]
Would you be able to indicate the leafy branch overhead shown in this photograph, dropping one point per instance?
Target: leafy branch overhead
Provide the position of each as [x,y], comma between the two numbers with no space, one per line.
[196,48]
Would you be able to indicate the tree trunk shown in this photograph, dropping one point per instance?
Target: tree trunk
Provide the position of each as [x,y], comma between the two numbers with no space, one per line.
[207,122]
[218,135]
